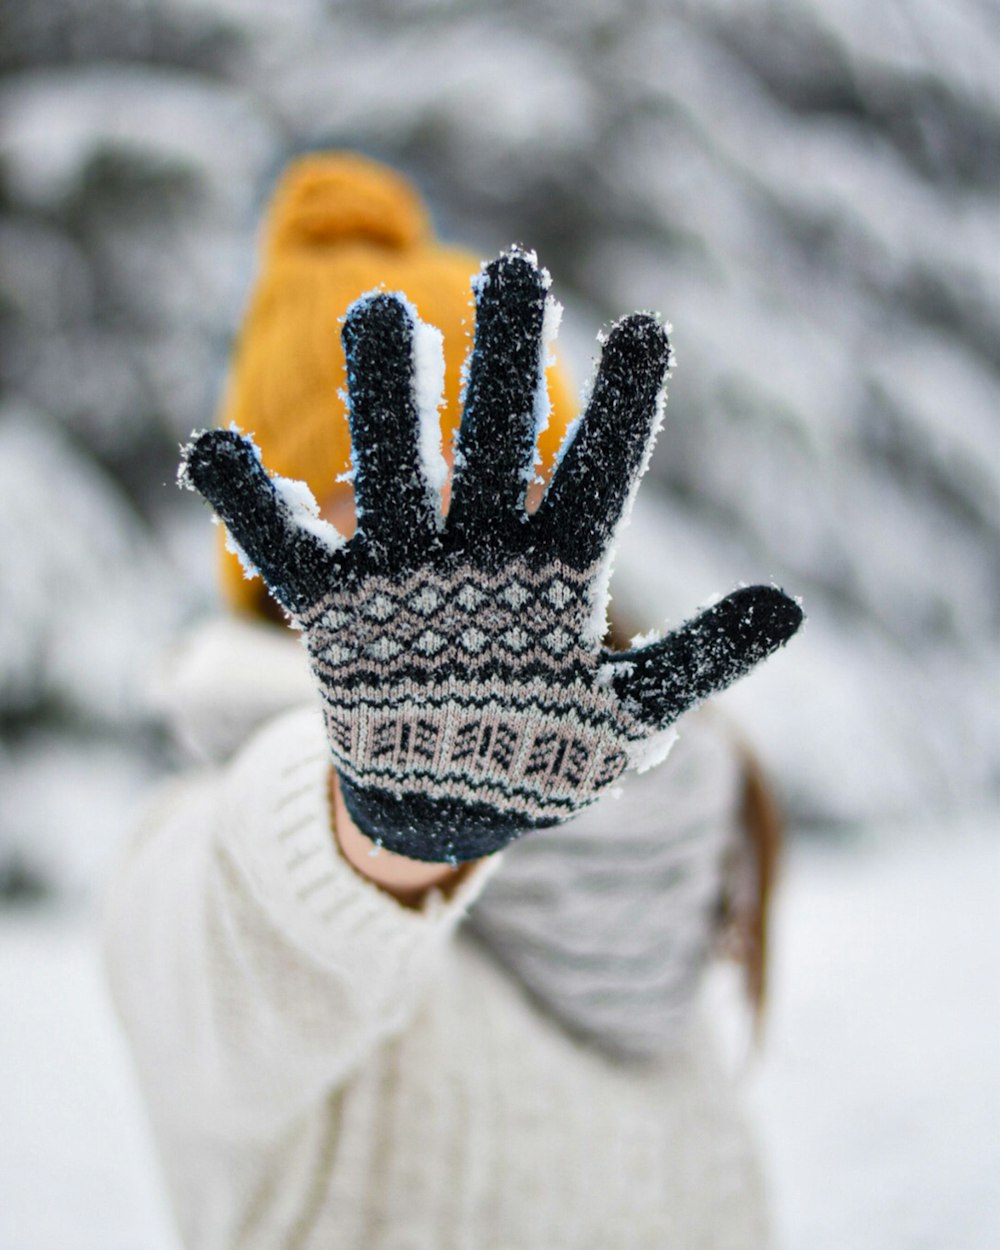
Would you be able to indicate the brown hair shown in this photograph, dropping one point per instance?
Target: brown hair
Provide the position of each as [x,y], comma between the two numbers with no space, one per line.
[745,905]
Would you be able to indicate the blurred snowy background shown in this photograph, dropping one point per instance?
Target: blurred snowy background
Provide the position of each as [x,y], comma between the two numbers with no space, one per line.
[809,192]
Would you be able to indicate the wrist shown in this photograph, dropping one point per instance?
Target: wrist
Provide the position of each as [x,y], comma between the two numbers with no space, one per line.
[406,879]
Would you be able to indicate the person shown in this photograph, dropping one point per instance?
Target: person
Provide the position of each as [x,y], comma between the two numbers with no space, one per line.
[364,1011]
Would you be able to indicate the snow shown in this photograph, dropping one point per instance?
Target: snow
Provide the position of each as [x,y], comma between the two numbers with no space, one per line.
[879,1086]
[76,1156]
[551,320]
[56,819]
[428,386]
[304,511]
[86,591]
[875,1094]
[654,750]
[56,122]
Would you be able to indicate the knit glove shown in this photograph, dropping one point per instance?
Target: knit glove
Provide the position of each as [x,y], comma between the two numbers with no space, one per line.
[466,691]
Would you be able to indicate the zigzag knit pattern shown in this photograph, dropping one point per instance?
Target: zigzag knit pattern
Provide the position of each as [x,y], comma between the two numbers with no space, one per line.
[459,684]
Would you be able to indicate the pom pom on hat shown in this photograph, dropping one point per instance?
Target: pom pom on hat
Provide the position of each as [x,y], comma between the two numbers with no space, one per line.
[339,225]
[331,197]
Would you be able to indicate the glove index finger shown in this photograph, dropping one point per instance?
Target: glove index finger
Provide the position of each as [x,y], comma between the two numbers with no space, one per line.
[269,519]
[606,453]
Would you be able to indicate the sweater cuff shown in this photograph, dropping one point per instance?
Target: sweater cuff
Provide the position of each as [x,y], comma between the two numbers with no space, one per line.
[277,827]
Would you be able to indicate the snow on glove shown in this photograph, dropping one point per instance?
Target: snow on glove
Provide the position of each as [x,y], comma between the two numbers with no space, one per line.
[466,692]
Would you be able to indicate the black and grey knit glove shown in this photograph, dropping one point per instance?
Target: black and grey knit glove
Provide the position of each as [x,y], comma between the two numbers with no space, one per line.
[466,690]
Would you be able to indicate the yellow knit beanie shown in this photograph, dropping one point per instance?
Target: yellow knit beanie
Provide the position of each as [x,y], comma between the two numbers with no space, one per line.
[339,225]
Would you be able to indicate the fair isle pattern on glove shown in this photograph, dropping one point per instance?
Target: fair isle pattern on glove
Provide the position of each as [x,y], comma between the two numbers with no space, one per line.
[528,734]
[467,695]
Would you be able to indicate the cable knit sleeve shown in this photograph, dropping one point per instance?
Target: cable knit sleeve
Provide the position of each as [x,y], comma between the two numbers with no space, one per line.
[254,969]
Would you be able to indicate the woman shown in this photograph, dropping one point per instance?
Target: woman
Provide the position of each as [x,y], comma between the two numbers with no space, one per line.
[332,1054]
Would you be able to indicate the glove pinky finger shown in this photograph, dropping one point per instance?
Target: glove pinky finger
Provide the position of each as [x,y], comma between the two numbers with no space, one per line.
[607,453]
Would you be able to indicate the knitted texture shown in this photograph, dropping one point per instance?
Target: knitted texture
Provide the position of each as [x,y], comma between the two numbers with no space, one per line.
[328,1070]
[467,694]
[338,225]
[607,920]
[610,920]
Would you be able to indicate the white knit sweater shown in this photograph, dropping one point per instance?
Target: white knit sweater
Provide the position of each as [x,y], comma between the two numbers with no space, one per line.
[326,1068]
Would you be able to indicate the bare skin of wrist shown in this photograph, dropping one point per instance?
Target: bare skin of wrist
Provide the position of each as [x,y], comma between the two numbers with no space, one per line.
[407,880]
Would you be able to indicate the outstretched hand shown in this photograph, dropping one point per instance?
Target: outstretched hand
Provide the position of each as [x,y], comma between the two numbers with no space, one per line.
[466,691]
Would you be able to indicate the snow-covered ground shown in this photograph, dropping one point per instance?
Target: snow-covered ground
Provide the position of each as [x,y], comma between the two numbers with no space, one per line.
[877,1097]
[879,1093]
